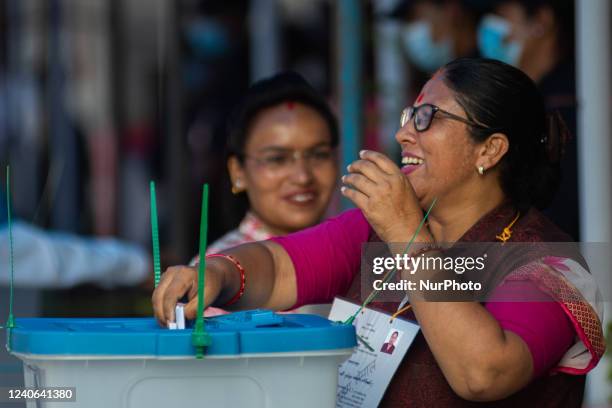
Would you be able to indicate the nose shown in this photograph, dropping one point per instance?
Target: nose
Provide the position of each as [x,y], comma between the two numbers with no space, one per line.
[302,172]
[406,134]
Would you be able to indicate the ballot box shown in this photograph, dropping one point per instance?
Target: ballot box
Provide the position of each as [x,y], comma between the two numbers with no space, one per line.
[256,359]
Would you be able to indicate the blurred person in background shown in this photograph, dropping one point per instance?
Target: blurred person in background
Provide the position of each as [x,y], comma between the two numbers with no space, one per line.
[281,159]
[537,36]
[51,259]
[438,31]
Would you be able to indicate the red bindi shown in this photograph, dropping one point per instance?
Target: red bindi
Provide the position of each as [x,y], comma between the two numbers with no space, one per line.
[290,105]
[420,97]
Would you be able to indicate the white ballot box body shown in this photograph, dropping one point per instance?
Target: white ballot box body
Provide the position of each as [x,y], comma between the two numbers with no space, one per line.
[290,363]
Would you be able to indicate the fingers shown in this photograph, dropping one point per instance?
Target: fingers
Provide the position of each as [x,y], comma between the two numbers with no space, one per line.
[357,197]
[360,183]
[367,169]
[380,160]
[374,166]
[191,308]
[175,283]
[180,285]
[158,294]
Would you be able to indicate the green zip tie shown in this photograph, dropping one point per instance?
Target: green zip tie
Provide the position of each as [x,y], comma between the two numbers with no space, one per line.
[155,234]
[200,338]
[10,324]
[374,293]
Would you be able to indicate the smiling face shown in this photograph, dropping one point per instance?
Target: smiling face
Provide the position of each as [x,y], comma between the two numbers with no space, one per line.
[289,170]
[441,161]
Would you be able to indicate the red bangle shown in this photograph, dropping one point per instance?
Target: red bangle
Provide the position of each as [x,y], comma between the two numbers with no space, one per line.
[233,260]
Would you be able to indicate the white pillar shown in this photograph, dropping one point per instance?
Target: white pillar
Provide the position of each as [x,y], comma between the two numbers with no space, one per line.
[595,149]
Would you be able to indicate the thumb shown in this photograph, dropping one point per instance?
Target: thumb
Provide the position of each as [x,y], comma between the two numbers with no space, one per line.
[211,292]
[191,308]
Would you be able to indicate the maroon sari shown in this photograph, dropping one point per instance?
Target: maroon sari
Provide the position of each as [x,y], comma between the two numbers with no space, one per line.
[419,381]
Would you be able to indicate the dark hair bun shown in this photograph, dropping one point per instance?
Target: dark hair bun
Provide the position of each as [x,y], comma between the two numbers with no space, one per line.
[547,172]
[556,138]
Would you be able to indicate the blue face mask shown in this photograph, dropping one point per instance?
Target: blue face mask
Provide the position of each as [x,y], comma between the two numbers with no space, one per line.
[422,51]
[492,32]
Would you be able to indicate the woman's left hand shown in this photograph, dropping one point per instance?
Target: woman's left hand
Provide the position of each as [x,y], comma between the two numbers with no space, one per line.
[378,187]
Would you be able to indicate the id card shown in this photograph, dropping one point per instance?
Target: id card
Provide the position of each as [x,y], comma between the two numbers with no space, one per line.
[364,377]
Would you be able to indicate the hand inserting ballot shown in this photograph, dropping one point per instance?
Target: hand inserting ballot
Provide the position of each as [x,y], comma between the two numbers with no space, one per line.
[180,281]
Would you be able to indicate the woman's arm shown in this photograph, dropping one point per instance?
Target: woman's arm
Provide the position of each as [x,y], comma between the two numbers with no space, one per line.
[500,346]
[309,266]
[51,259]
[480,360]
[270,282]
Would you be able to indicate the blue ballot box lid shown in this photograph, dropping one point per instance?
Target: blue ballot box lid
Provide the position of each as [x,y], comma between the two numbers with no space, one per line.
[253,331]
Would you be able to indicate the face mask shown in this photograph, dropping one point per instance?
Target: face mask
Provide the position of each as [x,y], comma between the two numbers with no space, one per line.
[422,51]
[492,32]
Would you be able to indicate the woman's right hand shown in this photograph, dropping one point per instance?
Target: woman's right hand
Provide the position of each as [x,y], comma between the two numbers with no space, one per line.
[179,281]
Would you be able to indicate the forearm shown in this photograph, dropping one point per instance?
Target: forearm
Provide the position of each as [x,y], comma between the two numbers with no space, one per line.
[47,259]
[478,358]
[269,277]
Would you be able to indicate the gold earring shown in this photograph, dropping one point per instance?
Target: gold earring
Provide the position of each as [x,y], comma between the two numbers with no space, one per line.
[481,170]
[237,187]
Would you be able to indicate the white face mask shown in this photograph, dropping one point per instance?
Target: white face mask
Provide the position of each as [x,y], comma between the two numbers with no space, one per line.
[492,33]
[422,51]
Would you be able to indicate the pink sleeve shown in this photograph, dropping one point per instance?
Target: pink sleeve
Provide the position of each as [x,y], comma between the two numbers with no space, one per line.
[543,326]
[326,257]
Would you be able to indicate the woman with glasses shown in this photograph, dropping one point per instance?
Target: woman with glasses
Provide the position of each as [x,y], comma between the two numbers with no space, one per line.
[281,159]
[478,152]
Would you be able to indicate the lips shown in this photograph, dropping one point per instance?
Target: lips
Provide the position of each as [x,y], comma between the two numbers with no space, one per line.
[301,198]
[411,162]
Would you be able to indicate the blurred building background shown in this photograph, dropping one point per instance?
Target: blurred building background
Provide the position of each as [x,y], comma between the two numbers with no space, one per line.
[97,97]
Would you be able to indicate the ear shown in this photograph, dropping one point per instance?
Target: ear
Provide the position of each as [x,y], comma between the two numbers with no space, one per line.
[237,173]
[492,150]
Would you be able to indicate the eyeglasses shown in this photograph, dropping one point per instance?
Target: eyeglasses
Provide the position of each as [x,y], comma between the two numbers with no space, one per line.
[424,114]
[280,160]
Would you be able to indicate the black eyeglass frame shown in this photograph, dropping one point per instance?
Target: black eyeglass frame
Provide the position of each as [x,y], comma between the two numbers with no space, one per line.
[408,117]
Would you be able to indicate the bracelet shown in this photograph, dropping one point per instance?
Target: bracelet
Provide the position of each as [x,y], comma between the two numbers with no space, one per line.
[233,260]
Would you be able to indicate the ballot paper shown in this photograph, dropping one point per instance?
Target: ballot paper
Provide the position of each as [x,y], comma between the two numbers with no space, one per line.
[179,317]
[364,377]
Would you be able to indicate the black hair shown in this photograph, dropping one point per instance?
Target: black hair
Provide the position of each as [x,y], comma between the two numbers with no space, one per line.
[269,92]
[505,99]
